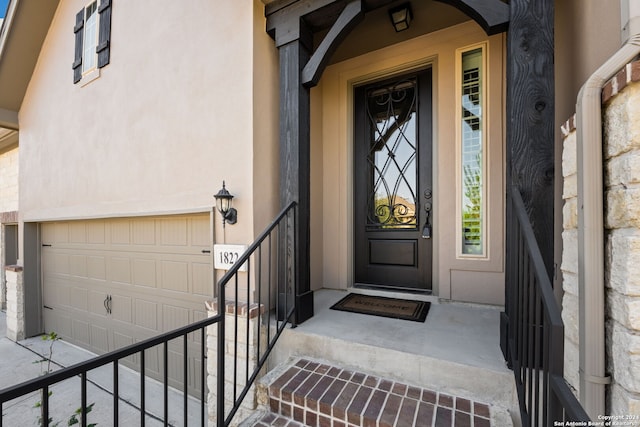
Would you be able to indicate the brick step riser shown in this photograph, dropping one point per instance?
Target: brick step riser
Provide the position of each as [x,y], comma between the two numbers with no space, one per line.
[316,394]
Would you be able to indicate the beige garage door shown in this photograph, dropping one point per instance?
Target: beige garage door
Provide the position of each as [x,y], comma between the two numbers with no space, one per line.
[109,283]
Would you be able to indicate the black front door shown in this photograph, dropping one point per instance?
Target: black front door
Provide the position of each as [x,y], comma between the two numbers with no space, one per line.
[393,193]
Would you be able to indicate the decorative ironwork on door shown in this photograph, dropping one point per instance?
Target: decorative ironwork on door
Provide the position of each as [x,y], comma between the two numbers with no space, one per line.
[392,158]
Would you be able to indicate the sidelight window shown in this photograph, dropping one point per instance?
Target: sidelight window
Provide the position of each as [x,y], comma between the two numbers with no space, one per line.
[472,142]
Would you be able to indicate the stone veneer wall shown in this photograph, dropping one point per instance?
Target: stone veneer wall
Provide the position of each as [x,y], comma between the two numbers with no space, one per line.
[15,303]
[246,313]
[621,123]
[570,256]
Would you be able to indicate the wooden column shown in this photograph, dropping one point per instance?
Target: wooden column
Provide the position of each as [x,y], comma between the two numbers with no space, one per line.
[530,126]
[295,163]
[530,114]
[300,69]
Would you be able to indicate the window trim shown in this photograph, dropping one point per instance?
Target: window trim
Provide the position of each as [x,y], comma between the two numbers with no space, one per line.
[484,251]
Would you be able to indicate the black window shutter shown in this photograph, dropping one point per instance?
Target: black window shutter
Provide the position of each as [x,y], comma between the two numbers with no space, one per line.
[77,62]
[103,48]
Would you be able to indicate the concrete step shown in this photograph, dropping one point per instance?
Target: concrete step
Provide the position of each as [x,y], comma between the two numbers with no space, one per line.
[315,393]
[455,351]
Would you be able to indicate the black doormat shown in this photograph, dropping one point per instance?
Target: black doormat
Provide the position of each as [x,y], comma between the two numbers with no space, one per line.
[395,308]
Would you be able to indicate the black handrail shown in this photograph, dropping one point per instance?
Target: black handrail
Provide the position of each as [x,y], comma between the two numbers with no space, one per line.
[536,330]
[286,248]
[283,227]
[82,368]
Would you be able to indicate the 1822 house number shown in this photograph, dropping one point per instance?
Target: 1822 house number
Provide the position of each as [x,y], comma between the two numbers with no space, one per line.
[229,257]
[225,256]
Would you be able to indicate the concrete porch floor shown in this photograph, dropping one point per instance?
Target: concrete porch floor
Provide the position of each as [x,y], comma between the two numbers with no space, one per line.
[456,350]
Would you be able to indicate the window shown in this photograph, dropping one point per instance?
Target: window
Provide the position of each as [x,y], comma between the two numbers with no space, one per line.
[472,143]
[92,37]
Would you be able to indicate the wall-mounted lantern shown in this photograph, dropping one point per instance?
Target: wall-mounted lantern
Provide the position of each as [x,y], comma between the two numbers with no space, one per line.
[223,204]
[401,16]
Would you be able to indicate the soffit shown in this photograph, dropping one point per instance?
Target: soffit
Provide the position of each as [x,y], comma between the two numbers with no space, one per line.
[22,36]
[376,32]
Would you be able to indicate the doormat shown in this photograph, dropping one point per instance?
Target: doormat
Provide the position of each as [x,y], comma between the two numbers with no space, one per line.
[395,308]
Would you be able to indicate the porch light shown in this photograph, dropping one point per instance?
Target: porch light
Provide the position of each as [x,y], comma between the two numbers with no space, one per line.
[223,204]
[401,16]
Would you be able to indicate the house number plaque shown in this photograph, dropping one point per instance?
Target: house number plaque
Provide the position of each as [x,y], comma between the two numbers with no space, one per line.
[225,256]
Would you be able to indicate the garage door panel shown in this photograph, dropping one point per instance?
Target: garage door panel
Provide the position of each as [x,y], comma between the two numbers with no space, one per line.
[201,278]
[79,298]
[52,293]
[122,308]
[200,235]
[78,265]
[97,303]
[97,267]
[95,232]
[99,338]
[146,315]
[145,272]
[80,332]
[121,340]
[153,269]
[153,361]
[56,263]
[119,270]
[175,368]
[174,317]
[77,232]
[56,232]
[120,232]
[195,379]
[196,337]
[60,323]
[175,276]
[173,232]
[144,232]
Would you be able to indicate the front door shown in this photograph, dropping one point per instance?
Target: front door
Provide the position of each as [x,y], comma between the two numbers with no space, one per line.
[393,193]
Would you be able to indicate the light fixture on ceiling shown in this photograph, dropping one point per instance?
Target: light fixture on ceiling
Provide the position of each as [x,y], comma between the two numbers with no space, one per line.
[401,16]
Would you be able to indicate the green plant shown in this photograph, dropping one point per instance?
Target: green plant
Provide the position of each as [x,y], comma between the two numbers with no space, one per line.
[52,337]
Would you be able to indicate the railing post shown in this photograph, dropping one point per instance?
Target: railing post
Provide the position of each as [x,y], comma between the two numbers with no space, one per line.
[220,368]
[556,367]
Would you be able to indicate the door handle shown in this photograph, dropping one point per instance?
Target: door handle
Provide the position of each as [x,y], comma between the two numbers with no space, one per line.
[107,304]
[427,229]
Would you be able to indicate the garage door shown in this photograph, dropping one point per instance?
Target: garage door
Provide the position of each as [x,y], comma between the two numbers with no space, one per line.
[113,282]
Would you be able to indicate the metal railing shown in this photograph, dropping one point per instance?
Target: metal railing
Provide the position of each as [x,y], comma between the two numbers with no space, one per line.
[536,331]
[264,270]
[269,278]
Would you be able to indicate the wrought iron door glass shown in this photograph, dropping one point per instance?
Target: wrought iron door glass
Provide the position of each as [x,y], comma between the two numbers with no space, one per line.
[392,156]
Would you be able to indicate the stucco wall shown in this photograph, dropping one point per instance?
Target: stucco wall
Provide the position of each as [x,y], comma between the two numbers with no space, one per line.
[579,52]
[9,180]
[622,251]
[171,116]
